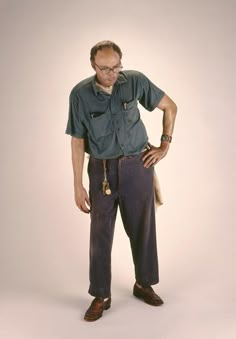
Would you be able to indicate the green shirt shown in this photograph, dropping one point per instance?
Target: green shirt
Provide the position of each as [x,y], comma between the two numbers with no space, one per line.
[111,124]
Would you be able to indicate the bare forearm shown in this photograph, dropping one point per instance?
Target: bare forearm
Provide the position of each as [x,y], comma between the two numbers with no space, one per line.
[169,115]
[169,120]
[81,196]
[77,148]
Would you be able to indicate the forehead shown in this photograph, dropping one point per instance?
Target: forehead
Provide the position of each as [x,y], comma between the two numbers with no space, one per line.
[107,56]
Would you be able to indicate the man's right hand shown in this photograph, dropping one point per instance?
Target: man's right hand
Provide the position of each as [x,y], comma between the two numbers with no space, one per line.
[81,199]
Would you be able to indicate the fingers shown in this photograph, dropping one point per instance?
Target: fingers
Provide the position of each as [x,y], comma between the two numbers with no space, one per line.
[150,158]
[153,156]
[151,161]
[83,202]
[87,200]
[148,154]
[83,208]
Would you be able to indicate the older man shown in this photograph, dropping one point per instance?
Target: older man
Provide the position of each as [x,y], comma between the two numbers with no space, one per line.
[104,121]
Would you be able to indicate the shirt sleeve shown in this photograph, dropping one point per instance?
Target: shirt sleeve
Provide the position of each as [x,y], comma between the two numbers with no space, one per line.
[150,94]
[75,126]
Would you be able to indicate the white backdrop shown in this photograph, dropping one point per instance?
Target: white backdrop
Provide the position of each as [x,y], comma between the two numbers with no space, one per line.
[187,48]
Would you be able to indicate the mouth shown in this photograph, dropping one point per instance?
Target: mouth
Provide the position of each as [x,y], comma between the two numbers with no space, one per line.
[112,79]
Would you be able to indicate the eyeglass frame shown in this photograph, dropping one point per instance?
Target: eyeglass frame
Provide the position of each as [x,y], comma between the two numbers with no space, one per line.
[107,70]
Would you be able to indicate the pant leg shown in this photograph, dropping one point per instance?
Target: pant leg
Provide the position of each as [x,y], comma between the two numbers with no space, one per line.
[136,201]
[103,215]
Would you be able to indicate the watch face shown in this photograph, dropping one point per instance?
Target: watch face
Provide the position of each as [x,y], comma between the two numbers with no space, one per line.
[165,137]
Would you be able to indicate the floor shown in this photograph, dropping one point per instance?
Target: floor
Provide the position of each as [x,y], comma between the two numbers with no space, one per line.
[191,313]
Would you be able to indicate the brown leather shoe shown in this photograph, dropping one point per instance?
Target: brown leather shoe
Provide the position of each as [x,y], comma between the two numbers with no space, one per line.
[96,308]
[148,295]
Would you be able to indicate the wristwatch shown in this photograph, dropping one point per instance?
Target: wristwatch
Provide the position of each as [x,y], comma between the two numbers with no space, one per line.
[166,137]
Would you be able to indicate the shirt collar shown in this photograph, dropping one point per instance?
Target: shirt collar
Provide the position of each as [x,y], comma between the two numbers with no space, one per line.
[122,78]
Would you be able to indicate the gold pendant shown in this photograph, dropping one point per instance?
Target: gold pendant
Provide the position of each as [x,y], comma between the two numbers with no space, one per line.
[106,188]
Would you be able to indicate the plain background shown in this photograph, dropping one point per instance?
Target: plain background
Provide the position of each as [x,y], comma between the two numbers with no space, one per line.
[187,48]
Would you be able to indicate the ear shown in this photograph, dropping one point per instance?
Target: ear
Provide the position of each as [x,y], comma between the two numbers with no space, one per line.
[93,66]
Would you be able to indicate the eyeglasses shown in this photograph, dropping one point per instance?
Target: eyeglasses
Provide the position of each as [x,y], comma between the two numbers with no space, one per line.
[107,70]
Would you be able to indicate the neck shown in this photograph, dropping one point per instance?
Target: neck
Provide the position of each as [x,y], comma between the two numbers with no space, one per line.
[101,85]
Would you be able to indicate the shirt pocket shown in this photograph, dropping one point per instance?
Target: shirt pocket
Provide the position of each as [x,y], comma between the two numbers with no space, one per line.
[100,124]
[131,112]
[130,105]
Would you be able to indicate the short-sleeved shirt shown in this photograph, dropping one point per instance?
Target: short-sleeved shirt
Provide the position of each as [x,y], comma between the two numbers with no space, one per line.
[111,123]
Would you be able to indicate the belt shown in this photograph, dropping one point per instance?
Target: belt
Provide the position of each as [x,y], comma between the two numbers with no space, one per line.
[105,184]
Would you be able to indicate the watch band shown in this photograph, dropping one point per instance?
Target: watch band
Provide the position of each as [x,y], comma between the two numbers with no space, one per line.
[166,137]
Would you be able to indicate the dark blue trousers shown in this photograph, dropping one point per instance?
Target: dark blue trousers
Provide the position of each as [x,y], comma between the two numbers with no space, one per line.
[132,190]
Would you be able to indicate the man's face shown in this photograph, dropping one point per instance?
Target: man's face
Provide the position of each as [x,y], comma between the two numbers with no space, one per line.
[104,60]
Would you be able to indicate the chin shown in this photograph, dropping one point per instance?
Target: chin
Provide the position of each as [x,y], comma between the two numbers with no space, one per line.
[112,81]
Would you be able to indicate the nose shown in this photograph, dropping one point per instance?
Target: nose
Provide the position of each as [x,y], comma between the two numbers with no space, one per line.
[112,74]
[111,70]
